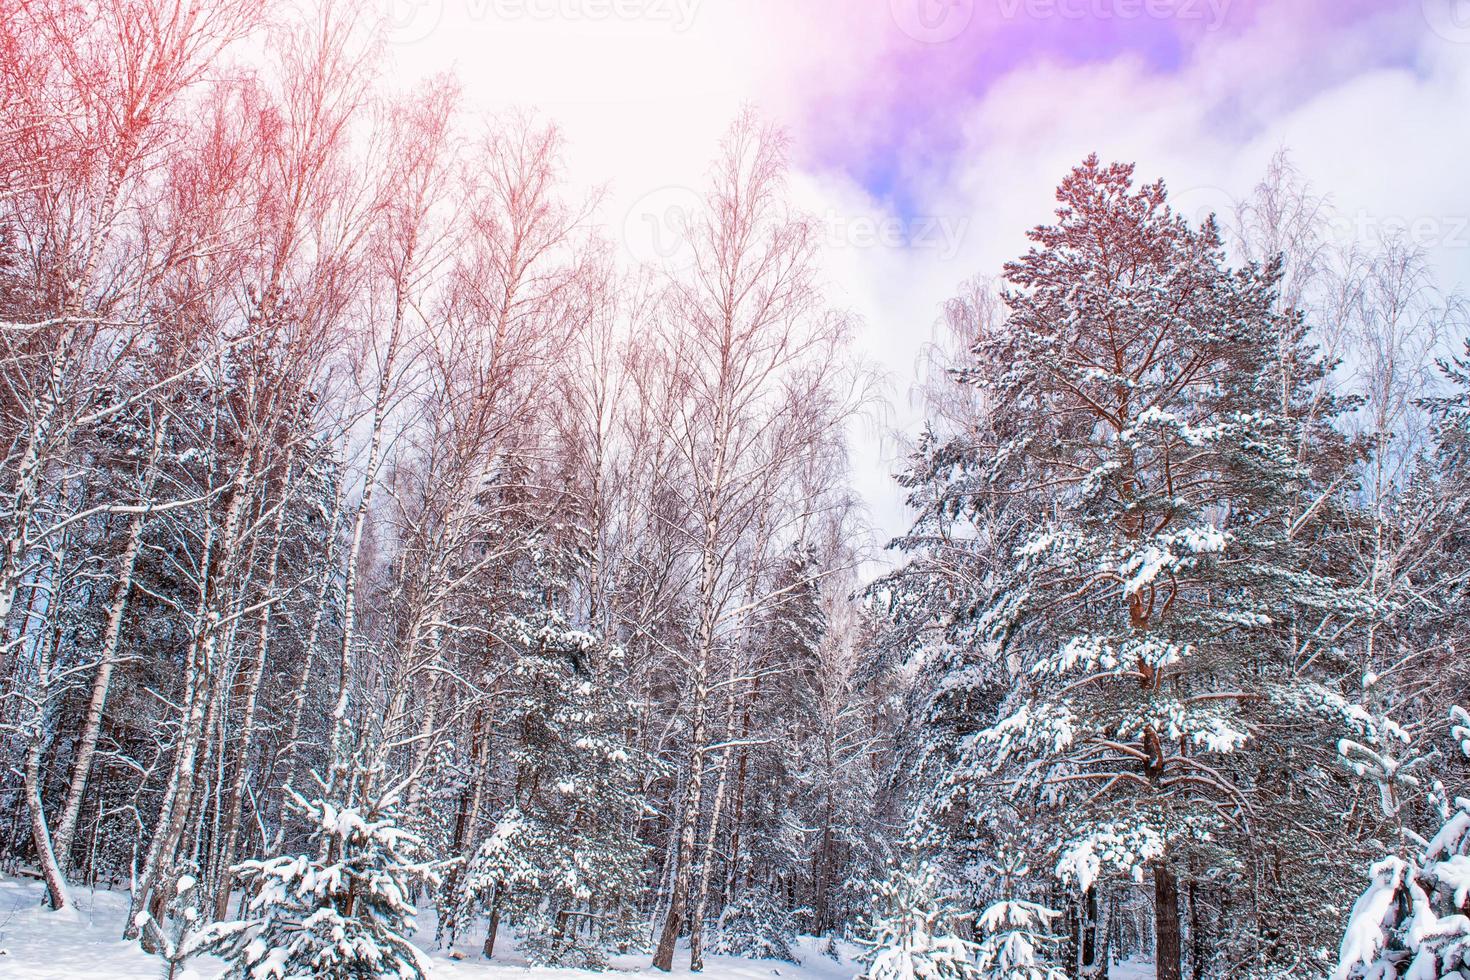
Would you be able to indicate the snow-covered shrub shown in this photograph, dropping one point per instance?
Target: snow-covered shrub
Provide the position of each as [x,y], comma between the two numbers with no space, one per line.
[756,925]
[913,935]
[339,914]
[1017,943]
[1410,922]
[177,937]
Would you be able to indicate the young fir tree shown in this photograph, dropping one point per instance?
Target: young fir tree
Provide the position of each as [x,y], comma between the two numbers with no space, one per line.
[914,934]
[339,913]
[560,863]
[1018,943]
[1015,936]
[756,925]
[177,937]
[1154,629]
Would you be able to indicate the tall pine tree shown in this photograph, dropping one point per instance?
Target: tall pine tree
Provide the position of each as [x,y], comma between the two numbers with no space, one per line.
[1154,641]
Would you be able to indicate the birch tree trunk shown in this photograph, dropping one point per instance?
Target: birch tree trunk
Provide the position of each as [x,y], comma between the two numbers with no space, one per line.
[693,801]
[289,752]
[238,764]
[354,553]
[706,867]
[663,957]
[58,896]
[107,663]
[199,664]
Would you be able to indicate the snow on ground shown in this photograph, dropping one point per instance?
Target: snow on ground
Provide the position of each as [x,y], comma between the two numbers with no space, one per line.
[1131,969]
[85,944]
[38,944]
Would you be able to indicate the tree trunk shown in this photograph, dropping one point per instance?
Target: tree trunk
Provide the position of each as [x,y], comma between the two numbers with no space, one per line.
[1197,951]
[701,900]
[1166,923]
[737,815]
[92,726]
[199,664]
[354,552]
[492,928]
[289,752]
[1071,943]
[107,661]
[57,895]
[663,957]
[1088,951]
[24,499]
[240,757]
[822,865]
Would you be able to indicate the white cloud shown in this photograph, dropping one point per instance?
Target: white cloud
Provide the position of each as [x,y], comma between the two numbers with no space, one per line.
[643,101]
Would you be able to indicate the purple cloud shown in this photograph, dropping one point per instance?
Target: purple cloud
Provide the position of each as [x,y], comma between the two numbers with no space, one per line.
[916,68]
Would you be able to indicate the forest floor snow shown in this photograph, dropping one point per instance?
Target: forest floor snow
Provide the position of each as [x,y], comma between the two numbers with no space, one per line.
[84,944]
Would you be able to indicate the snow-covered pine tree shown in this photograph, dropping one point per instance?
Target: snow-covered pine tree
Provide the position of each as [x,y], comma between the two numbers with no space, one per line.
[1411,921]
[1016,936]
[341,912]
[1018,943]
[559,863]
[1157,478]
[914,934]
[757,925]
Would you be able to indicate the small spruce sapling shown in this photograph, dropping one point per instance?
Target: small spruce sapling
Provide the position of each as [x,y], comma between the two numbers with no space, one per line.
[757,925]
[1014,935]
[339,913]
[178,937]
[914,936]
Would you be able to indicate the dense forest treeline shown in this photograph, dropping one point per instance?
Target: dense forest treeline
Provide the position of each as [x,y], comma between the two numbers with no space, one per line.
[375,535]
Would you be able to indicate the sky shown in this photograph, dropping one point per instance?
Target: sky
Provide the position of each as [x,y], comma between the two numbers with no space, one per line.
[928,135]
